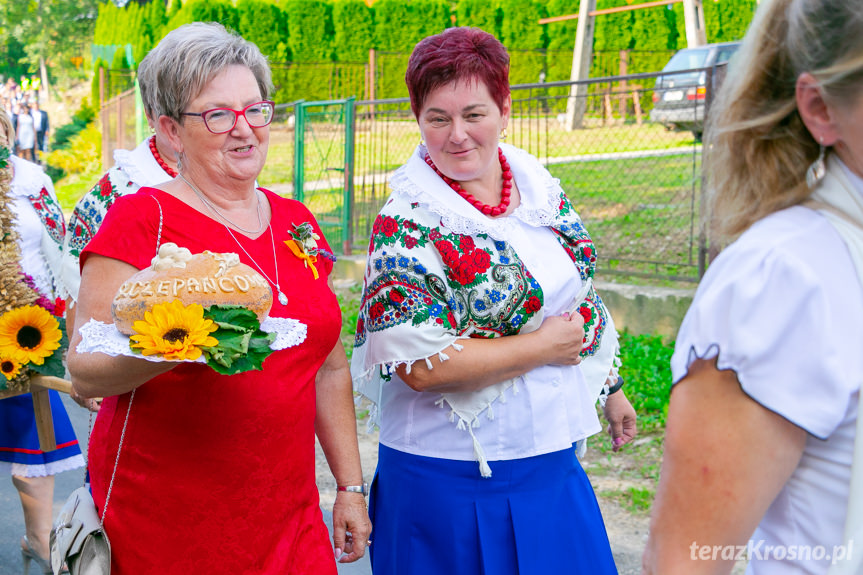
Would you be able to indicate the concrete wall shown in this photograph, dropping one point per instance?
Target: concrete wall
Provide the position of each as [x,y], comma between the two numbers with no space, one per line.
[639,309]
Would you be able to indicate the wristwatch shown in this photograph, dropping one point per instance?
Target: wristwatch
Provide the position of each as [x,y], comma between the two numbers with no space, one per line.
[364,489]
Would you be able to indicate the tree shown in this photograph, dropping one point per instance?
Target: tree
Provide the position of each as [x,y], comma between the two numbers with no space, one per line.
[51,31]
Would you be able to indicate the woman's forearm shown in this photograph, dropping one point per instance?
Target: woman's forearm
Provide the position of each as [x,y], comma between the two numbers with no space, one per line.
[335,419]
[484,362]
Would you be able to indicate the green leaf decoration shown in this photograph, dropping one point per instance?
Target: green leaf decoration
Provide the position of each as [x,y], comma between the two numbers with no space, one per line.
[4,157]
[243,346]
[53,364]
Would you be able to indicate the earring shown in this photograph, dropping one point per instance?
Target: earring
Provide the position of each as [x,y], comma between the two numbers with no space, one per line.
[422,142]
[818,169]
[179,162]
[503,134]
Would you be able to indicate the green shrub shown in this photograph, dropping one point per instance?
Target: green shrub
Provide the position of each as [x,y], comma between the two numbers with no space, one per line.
[646,370]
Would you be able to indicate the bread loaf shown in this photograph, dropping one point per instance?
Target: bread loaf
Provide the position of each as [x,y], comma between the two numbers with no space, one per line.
[207,278]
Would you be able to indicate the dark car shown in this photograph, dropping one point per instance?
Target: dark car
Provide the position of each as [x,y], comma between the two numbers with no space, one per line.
[680,92]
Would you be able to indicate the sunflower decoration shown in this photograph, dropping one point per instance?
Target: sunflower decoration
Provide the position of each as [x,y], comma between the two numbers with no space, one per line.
[228,337]
[10,368]
[174,331]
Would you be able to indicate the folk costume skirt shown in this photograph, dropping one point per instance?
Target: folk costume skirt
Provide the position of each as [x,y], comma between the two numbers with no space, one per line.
[19,439]
[536,515]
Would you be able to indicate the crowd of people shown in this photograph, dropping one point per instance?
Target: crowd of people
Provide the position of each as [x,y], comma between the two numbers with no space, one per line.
[481,340]
[20,102]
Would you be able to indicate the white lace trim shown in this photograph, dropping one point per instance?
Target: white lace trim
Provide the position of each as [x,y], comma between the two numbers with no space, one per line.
[99,337]
[540,195]
[43,470]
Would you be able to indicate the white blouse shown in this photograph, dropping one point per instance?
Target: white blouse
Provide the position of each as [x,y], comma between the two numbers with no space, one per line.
[783,308]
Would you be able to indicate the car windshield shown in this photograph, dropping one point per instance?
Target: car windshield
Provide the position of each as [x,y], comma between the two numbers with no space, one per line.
[687,60]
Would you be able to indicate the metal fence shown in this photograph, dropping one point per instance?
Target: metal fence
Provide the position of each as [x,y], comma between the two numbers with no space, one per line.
[635,182]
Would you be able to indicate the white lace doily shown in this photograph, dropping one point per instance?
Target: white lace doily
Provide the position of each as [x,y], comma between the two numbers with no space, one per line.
[98,337]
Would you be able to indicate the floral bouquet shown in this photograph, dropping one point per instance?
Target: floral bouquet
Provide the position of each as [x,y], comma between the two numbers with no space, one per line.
[229,338]
[32,328]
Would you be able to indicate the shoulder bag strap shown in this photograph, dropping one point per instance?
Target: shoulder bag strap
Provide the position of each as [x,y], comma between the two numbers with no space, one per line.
[131,398]
[852,562]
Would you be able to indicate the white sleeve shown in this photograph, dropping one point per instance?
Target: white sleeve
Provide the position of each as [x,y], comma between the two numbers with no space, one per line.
[786,320]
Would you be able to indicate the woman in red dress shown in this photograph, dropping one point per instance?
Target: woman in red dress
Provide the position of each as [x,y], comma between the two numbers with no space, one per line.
[216,473]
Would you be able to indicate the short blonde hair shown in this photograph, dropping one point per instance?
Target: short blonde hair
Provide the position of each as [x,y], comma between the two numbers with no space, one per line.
[757,148]
[174,72]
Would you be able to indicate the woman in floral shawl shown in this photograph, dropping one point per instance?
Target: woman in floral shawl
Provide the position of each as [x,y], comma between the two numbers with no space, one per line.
[482,342]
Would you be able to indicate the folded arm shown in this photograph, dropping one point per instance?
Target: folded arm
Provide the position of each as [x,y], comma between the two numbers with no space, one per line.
[484,362]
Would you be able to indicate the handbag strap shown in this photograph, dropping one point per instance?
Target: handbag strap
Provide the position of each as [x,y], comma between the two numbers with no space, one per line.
[853,524]
[131,399]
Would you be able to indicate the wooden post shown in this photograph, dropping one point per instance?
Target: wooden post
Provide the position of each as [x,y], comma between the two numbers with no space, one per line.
[372,79]
[581,60]
[44,421]
[693,18]
[636,104]
[608,114]
[623,71]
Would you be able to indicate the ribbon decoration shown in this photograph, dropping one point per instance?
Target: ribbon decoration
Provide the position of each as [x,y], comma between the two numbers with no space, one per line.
[298,251]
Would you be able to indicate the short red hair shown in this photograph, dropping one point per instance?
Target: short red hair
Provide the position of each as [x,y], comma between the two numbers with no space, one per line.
[457,54]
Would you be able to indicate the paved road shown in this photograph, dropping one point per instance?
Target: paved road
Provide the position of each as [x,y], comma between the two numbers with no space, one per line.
[12,521]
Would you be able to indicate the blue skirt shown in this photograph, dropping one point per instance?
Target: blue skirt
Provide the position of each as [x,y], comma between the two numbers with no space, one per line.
[19,439]
[536,515]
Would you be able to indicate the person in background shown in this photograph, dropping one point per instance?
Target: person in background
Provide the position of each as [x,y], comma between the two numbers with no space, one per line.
[26,134]
[39,224]
[482,342]
[768,365]
[229,458]
[40,124]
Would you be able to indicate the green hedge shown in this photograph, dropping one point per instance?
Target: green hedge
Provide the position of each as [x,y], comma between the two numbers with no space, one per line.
[307,36]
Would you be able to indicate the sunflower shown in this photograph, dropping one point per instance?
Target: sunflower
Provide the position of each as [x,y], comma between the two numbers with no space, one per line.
[10,368]
[29,334]
[174,331]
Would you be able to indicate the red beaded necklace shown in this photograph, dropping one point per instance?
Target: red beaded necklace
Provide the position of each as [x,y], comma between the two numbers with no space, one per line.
[162,163]
[505,192]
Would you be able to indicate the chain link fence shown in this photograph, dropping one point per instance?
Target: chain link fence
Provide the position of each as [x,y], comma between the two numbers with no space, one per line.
[634,179]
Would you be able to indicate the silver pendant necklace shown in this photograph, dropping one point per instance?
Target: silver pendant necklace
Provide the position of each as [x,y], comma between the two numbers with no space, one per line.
[283,299]
[212,207]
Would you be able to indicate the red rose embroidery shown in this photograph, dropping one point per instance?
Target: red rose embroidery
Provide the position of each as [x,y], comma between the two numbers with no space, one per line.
[389,226]
[481,260]
[588,252]
[532,304]
[585,313]
[435,235]
[376,311]
[396,296]
[105,188]
[410,242]
[466,243]
[361,325]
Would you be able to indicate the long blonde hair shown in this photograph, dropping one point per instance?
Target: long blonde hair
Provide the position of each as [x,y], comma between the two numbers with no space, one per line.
[757,148]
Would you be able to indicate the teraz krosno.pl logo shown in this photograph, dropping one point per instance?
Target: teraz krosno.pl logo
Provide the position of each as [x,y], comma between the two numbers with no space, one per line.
[759,550]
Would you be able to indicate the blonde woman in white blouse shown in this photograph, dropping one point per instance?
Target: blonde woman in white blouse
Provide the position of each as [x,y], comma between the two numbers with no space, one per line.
[769,360]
